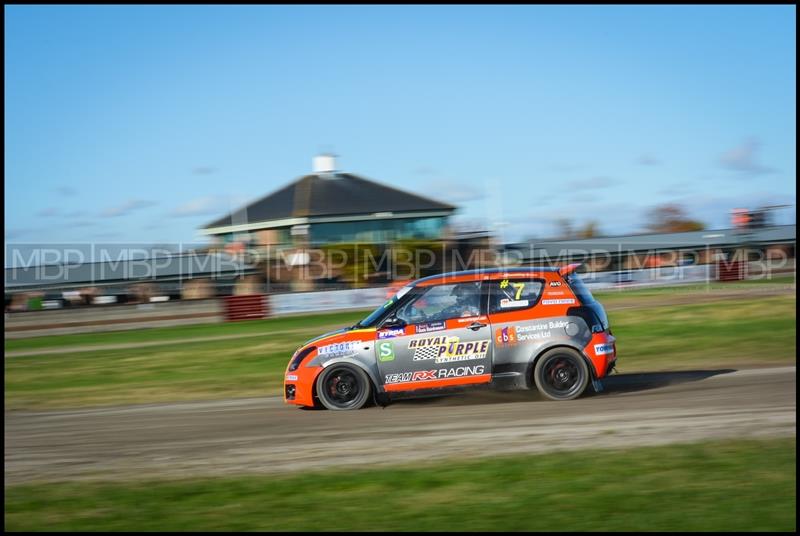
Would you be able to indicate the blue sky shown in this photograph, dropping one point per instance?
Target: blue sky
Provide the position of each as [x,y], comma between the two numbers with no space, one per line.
[143,123]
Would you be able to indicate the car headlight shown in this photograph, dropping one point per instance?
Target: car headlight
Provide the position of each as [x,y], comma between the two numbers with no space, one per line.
[299,356]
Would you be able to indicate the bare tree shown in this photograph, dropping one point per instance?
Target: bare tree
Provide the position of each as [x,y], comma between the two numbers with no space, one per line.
[591,229]
[564,227]
[672,218]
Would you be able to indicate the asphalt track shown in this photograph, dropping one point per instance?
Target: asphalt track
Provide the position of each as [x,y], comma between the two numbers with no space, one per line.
[264,435]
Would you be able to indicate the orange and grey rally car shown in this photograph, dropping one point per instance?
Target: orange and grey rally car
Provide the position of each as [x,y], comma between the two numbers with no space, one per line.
[508,328]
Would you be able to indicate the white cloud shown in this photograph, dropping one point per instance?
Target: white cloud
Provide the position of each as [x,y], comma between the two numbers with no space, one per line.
[110,234]
[18,232]
[66,190]
[678,188]
[209,205]
[48,212]
[455,191]
[204,170]
[566,168]
[425,170]
[80,223]
[126,208]
[595,183]
[582,198]
[613,218]
[743,158]
[648,160]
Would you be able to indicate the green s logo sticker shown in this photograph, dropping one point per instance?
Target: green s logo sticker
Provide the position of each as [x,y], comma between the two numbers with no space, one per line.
[385,351]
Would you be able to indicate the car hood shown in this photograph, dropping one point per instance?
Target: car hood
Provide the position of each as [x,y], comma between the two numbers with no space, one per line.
[325,336]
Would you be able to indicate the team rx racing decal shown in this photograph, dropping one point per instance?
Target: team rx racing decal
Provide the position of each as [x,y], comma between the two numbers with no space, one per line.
[339,349]
[389,333]
[567,301]
[434,326]
[441,374]
[603,349]
[445,349]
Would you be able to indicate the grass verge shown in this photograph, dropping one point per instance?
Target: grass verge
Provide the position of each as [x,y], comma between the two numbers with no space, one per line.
[177,333]
[719,486]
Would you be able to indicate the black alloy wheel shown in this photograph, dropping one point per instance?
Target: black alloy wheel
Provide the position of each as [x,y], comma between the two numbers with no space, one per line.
[343,386]
[561,374]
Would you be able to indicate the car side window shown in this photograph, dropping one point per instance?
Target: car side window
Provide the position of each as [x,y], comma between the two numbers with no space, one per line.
[514,294]
[443,302]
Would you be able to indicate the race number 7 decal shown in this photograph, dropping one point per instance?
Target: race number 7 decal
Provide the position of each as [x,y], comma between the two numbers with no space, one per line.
[519,286]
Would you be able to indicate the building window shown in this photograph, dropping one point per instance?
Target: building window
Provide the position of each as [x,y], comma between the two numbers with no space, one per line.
[377,230]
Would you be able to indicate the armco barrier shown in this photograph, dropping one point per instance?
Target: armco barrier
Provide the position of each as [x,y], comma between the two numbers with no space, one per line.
[327,300]
[247,307]
[100,318]
[663,276]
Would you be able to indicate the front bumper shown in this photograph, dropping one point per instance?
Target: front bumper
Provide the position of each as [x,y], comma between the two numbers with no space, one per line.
[298,386]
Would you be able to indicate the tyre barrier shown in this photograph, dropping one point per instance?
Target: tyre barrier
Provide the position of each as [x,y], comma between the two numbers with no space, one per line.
[248,307]
[731,271]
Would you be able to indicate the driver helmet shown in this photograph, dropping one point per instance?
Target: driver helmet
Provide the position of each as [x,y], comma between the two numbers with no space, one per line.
[462,292]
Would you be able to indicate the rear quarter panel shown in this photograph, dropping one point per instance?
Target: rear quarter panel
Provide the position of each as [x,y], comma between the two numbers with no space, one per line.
[521,336]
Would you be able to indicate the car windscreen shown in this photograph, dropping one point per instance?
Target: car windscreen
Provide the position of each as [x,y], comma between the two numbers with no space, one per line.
[375,315]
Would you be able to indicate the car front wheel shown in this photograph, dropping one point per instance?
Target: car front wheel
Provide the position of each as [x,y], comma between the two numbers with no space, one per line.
[561,374]
[342,387]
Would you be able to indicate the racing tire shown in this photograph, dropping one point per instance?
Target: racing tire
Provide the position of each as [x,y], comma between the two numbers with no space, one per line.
[561,374]
[343,387]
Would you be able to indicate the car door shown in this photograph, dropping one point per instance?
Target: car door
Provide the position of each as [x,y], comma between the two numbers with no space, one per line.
[517,326]
[439,337]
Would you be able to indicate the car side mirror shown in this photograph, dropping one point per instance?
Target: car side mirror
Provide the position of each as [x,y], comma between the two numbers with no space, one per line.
[393,322]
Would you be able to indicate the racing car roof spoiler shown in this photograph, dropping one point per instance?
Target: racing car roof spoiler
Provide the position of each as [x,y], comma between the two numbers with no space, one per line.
[568,269]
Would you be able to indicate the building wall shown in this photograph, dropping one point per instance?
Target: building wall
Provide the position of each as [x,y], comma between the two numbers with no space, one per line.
[197,289]
[247,285]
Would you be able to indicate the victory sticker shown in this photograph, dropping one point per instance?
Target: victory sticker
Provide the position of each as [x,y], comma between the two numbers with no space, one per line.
[338,349]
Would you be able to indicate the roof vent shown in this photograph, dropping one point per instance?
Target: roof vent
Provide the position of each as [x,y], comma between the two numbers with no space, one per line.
[325,164]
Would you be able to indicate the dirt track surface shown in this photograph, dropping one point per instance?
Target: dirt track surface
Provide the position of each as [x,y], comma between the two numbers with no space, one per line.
[267,436]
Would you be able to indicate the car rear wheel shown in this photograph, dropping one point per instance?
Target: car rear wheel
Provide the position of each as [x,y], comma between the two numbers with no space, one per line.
[343,386]
[561,374]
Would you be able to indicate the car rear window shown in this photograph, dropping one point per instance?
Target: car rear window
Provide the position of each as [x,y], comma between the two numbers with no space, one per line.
[579,288]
